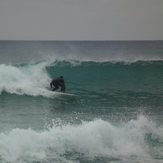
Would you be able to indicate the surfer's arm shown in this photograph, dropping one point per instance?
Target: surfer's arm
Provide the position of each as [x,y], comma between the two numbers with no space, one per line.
[61,83]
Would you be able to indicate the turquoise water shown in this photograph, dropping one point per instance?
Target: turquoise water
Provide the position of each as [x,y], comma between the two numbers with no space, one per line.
[117,117]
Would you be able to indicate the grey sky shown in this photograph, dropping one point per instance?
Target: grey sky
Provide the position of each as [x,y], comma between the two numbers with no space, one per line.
[81,19]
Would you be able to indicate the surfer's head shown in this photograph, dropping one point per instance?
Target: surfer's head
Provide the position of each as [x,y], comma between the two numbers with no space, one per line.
[61,77]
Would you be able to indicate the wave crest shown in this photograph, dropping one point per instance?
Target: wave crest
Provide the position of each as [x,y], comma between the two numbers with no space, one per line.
[98,139]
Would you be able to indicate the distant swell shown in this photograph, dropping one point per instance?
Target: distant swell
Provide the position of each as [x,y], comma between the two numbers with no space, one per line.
[18,52]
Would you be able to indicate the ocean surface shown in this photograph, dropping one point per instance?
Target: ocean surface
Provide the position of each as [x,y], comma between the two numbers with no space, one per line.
[117,118]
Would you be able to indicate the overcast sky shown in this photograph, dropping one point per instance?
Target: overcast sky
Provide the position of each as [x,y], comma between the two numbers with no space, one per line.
[81,19]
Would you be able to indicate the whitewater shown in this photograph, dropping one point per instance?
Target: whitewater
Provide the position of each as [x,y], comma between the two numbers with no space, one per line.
[118,116]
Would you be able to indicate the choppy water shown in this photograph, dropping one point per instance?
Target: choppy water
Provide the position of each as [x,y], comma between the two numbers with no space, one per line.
[117,117]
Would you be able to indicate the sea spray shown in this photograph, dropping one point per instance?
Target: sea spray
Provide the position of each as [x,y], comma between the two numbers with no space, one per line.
[91,140]
[25,79]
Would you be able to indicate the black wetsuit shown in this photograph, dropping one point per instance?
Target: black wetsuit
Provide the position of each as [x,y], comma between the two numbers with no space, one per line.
[58,82]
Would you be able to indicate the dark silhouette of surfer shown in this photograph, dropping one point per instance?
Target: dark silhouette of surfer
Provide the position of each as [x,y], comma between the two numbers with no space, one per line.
[58,82]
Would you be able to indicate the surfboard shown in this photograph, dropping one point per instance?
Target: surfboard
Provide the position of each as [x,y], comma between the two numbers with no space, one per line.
[66,94]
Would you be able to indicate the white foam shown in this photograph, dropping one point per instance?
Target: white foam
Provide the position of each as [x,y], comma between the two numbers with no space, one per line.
[30,79]
[91,139]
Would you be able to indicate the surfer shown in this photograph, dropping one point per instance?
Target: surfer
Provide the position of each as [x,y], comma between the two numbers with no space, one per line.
[56,82]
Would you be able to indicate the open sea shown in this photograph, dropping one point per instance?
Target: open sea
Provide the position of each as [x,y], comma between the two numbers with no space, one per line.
[118,117]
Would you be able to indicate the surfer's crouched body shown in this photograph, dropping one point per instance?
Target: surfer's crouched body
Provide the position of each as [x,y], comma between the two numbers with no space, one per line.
[58,82]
